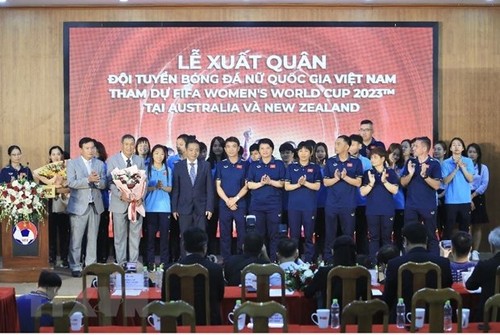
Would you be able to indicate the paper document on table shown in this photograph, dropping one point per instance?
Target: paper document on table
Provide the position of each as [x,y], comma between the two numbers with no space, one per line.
[129,293]
[376,292]
[276,292]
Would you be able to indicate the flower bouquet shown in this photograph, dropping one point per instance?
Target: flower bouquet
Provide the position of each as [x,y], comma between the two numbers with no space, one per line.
[132,182]
[52,170]
[21,200]
[298,278]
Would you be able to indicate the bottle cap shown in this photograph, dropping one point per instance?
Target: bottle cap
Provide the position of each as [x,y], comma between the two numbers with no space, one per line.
[334,301]
[400,300]
[238,301]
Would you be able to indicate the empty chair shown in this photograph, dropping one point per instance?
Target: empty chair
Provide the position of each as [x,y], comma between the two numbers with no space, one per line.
[187,275]
[351,287]
[60,312]
[435,299]
[263,272]
[168,312]
[363,312]
[260,312]
[106,310]
[490,309]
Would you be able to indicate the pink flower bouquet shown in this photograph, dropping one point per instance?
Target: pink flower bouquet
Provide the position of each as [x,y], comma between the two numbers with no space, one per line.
[132,182]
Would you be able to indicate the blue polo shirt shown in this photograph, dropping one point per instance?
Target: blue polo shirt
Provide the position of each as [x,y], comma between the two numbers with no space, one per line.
[322,191]
[458,190]
[158,201]
[266,197]
[418,193]
[367,165]
[399,198]
[342,194]
[8,173]
[232,179]
[302,198]
[172,160]
[365,149]
[380,201]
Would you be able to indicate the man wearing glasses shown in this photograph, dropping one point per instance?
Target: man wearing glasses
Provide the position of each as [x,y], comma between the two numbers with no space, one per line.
[366,132]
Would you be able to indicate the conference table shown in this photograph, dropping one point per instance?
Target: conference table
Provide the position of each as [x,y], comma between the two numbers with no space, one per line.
[473,328]
[298,306]
[8,310]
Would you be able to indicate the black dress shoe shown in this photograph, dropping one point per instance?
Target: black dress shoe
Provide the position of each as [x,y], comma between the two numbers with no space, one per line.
[76,274]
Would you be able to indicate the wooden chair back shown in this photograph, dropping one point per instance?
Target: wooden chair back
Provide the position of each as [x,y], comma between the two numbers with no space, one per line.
[263,272]
[363,312]
[435,299]
[60,312]
[260,312]
[105,309]
[186,275]
[419,273]
[497,281]
[490,309]
[168,312]
[349,276]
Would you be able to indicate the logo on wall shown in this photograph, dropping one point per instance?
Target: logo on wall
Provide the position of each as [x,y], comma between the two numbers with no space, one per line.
[25,232]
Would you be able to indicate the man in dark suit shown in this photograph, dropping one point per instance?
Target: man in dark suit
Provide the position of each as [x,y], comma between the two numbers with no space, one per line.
[415,237]
[484,274]
[193,191]
[195,243]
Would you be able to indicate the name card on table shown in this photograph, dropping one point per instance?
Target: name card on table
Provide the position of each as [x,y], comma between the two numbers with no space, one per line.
[133,281]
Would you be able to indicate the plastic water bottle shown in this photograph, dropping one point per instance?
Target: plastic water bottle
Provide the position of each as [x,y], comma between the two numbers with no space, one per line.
[447,316]
[146,277]
[334,314]
[242,318]
[112,282]
[400,313]
[159,277]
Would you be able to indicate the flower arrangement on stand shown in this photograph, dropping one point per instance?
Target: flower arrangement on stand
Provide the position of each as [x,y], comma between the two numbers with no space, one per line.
[21,200]
[297,279]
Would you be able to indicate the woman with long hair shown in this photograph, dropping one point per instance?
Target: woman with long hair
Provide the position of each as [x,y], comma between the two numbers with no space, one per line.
[458,173]
[215,155]
[406,152]
[396,162]
[15,170]
[479,215]
[158,205]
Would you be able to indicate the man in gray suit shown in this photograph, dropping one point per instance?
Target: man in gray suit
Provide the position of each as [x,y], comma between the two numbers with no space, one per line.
[192,191]
[86,179]
[123,228]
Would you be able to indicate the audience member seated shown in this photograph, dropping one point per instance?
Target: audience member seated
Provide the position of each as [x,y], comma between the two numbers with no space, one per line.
[415,239]
[344,253]
[49,284]
[288,258]
[461,246]
[254,251]
[384,255]
[484,274]
[195,243]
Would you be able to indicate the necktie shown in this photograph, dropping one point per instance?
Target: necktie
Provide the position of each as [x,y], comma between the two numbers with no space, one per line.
[129,163]
[192,173]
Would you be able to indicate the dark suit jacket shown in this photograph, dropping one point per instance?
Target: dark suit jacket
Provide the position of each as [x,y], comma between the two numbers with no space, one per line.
[236,263]
[216,286]
[189,199]
[417,255]
[317,288]
[484,276]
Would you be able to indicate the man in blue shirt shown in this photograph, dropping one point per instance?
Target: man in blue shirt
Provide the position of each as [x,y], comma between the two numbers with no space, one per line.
[366,132]
[342,178]
[231,187]
[422,178]
[49,284]
[265,179]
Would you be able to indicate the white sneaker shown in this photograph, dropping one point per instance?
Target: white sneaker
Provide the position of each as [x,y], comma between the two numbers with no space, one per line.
[474,256]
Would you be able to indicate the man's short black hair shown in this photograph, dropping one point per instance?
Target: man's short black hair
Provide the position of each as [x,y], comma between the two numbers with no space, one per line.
[232,139]
[356,138]
[415,233]
[49,279]
[253,243]
[287,247]
[346,139]
[195,240]
[85,140]
[366,122]
[287,146]
[193,140]
[254,147]
[386,253]
[461,242]
[426,141]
